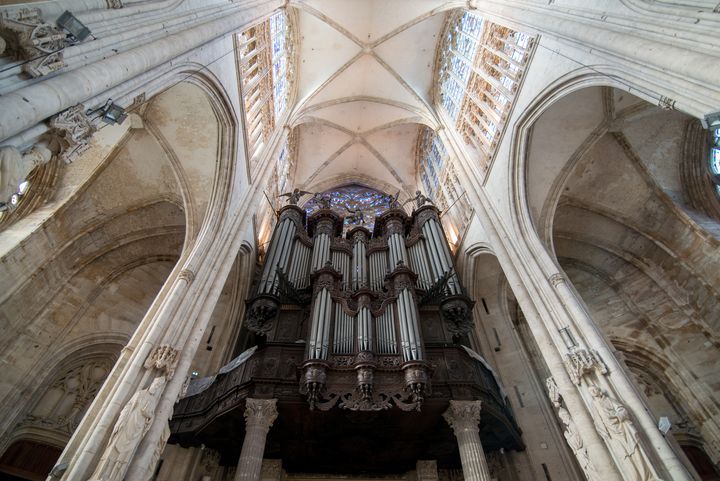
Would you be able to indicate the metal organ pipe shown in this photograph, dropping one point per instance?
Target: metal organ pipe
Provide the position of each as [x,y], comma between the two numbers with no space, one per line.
[278,254]
[364,330]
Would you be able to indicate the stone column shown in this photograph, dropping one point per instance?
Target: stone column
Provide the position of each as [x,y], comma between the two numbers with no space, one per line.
[464,417]
[259,416]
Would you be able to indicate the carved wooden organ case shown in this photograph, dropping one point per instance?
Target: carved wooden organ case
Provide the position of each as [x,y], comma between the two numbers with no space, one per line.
[365,322]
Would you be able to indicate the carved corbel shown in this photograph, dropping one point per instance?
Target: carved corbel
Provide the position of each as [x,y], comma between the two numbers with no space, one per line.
[70,134]
[28,37]
[580,362]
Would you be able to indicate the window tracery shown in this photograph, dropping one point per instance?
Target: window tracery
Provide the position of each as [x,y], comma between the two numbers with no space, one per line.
[371,202]
[264,53]
[481,65]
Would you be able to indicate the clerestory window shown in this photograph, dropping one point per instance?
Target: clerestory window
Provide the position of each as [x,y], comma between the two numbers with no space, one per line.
[481,66]
[264,57]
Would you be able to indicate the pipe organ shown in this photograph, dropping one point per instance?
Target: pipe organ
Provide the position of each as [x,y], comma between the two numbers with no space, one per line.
[349,320]
[365,290]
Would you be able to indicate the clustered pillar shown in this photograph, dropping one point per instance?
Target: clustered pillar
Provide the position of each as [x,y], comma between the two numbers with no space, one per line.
[464,418]
[259,417]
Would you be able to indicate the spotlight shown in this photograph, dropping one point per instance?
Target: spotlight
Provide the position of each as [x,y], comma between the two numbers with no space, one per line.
[73,26]
[114,114]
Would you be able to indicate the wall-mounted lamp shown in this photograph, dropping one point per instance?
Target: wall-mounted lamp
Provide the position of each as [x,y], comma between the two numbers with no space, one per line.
[73,26]
[567,338]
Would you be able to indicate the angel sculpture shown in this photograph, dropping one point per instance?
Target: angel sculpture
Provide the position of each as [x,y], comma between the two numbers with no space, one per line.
[419,199]
[392,200]
[294,196]
[323,200]
[356,216]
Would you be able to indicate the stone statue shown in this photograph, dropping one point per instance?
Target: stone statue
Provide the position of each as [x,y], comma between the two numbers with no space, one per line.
[294,196]
[356,217]
[615,426]
[130,428]
[572,435]
[419,199]
[15,167]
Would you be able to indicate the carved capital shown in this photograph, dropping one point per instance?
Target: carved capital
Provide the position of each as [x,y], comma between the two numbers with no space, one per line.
[164,357]
[260,413]
[71,131]
[580,362]
[187,275]
[28,37]
[463,416]
[556,279]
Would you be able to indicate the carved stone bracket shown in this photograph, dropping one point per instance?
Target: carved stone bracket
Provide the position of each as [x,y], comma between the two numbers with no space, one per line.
[28,37]
[580,362]
[71,131]
[164,358]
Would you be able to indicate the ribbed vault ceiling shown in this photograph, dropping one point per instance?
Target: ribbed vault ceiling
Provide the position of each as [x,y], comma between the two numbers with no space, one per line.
[365,72]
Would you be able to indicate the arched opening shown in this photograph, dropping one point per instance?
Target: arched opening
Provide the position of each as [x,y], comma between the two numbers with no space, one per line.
[609,202]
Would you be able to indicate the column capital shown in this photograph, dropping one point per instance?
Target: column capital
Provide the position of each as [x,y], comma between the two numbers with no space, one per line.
[260,412]
[463,415]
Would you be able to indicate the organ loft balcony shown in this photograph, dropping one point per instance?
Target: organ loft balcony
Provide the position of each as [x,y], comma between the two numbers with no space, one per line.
[362,337]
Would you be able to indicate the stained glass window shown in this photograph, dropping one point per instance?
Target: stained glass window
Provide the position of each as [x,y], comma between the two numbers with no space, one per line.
[481,67]
[354,197]
[263,58]
[715,158]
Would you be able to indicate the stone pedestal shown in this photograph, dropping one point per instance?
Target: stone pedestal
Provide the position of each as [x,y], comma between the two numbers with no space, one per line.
[259,416]
[464,417]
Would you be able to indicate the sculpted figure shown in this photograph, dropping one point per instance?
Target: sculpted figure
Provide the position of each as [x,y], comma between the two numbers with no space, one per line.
[392,200]
[576,444]
[130,428]
[615,426]
[419,199]
[323,200]
[294,196]
[356,216]
[15,167]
